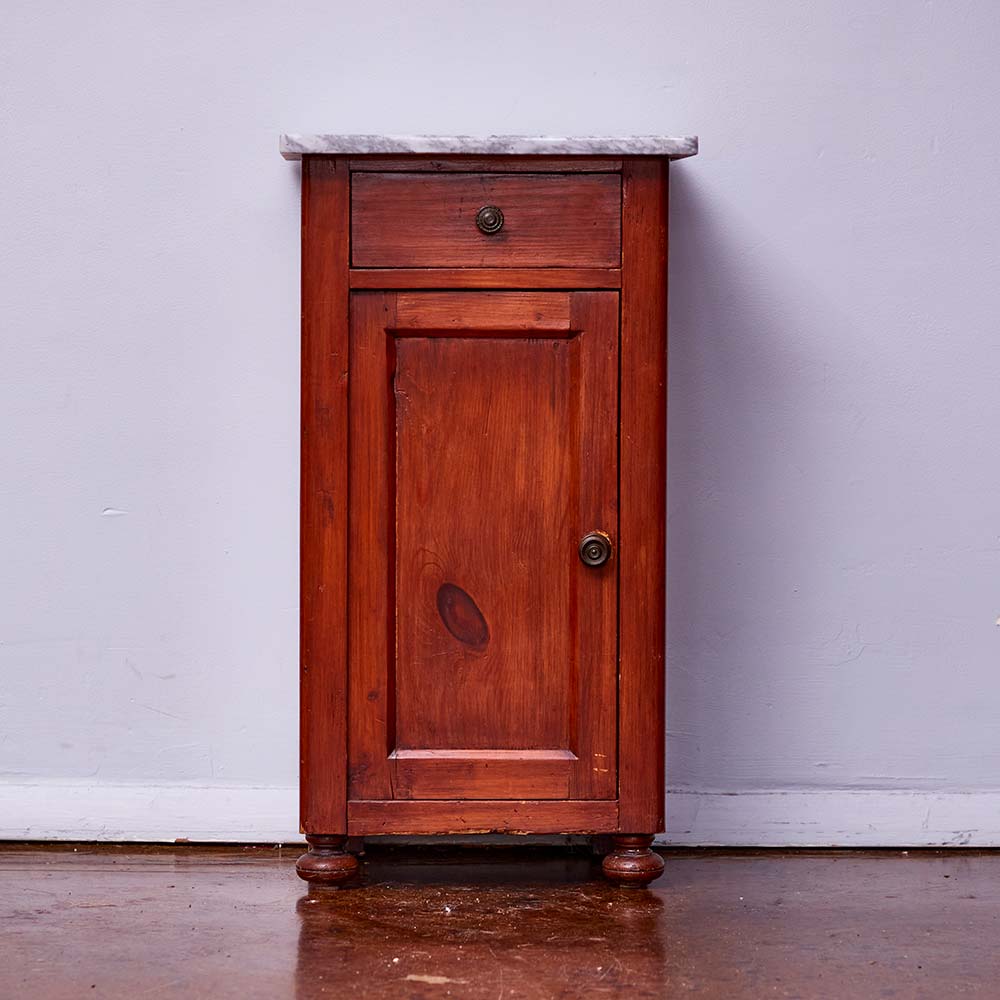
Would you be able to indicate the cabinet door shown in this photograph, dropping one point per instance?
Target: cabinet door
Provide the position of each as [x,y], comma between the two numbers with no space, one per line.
[483,446]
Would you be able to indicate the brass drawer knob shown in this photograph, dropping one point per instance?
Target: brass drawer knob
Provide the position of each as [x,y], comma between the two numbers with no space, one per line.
[489,219]
[595,549]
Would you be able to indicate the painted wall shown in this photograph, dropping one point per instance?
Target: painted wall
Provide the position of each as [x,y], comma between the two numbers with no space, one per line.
[834,511]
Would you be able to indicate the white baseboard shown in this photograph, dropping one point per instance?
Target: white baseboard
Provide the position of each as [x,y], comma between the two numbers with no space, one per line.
[153,813]
[833,818]
[243,813]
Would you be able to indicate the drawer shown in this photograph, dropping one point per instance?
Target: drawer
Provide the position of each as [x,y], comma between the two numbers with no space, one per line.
[430,220]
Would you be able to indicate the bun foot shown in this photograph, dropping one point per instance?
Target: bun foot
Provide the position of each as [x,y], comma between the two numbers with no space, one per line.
[632,864]
[326,862]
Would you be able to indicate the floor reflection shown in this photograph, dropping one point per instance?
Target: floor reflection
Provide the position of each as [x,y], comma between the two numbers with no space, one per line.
[491,925]
[234,923]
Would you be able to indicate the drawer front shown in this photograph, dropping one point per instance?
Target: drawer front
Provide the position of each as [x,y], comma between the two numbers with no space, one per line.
[549,220]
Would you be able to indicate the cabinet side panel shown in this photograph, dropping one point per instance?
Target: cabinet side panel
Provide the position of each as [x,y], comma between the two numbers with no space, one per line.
[323,525]
[642,496]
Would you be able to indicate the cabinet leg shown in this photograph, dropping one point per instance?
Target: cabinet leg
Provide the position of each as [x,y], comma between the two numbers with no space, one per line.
[326,862]
[632,863]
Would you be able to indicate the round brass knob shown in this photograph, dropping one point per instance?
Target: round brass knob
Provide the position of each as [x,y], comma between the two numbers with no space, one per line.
[489,219]
[595,549]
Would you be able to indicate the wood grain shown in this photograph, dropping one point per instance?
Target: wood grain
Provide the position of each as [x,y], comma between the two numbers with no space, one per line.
[416,818]
[372,544]
[483,314]
[594,596]
[643,496]
[485,474]
[487,680]
[487,277]
[484,452]
[428,220]
[483,774]
[323,497]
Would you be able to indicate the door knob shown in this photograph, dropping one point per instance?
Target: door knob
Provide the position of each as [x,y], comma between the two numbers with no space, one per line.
[489,219]
[595,549]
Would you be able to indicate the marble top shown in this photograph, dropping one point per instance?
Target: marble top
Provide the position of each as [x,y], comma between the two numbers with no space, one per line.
[294,146]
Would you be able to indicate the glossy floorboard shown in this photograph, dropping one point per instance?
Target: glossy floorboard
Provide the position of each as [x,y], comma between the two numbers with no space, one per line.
[236,922]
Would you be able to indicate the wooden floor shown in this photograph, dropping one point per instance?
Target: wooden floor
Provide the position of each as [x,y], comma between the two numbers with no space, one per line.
[236,922]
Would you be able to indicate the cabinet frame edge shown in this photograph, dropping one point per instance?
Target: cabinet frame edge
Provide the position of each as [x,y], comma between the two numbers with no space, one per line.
[323,556]
[642,496]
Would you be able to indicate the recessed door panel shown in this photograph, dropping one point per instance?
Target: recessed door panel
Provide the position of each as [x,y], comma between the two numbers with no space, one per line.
[482,648]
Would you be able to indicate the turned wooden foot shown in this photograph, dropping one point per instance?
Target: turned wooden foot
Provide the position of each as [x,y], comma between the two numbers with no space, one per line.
[632,863]
[326,862]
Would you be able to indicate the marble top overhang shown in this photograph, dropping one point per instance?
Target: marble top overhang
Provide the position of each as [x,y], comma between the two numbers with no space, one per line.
[294,146]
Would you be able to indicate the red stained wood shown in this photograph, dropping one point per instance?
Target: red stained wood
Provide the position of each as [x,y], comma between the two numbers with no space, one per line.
[461,617]
[371,574]
[487,277]
[323,566]
[489,682]
[483,314]
[485,774]
[643,494]
[427,220]
[495,455]
[505,411]
[369,818]
[595,503]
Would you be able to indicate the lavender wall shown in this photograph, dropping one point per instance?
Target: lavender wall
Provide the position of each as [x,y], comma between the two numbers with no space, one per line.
[834,550]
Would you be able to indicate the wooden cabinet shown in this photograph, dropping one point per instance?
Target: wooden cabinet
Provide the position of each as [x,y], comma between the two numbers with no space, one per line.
[483,477]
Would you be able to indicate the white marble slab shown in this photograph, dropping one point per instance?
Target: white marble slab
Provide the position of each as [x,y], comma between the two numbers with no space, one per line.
[294,146]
